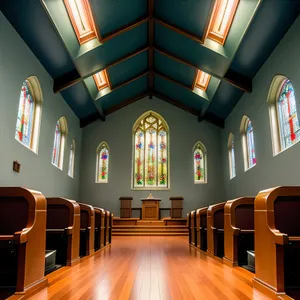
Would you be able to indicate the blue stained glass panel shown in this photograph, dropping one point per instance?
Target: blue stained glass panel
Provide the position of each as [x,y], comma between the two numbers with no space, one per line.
[250,145]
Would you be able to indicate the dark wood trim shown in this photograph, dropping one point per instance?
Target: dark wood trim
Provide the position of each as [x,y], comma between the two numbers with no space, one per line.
[124,29]
[130,80]
[180,31]
[175,103]
[68,80]
[89,120]
[173,80]
[237,80]
[127,102]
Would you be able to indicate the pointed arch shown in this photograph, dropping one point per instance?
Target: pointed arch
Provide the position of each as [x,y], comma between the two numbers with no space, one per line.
[60,136]
[248,146]
[29,114]
[72,159]
[200,163]
[151,155]
[102,162]
[231,156]
[284,123]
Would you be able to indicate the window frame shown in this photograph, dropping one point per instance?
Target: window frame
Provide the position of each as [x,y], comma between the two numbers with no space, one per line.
[230,149]
[98,151]
[243,131]
[72,162]
[204,152]
[37,97]
[63,125]
[273,97]
[134,128]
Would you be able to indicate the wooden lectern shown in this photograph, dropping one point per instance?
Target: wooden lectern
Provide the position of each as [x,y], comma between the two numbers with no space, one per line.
[150,208]
[176,207]
[125,207]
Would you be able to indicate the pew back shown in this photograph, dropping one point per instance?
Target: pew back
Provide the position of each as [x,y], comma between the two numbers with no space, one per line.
[201,225]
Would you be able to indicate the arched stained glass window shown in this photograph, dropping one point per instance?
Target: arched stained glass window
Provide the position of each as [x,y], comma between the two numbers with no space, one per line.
[199,156]
[248,143]
[29,113]
[151,152]
[60,134]
[72,160]
[231,156]
[102,163]
[287,114]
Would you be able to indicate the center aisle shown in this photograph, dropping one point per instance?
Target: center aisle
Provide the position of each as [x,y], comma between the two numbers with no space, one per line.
[148,267]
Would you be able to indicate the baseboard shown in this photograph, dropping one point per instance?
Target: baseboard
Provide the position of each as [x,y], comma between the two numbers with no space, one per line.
[228,262]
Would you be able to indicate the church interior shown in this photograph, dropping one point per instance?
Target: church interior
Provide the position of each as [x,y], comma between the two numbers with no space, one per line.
[150,149]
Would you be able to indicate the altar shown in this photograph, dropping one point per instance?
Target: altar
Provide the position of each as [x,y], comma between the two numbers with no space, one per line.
[150,208]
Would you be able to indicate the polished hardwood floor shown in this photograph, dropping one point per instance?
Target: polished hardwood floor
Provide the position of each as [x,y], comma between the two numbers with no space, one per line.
[150,268]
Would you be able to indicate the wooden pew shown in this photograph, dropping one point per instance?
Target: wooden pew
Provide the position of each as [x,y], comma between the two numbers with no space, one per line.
[22,239]
[103,230]
[108,227]
[238,230]
[98,226]
[63,230]
[189,226]
[201,228]
[215,230]
[87,229]
[193,228]
[277,242]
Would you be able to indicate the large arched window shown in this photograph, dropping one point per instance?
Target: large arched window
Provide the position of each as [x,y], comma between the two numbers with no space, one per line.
[231,156]
[60,135]
[248,143]
[151,152]
[199,156]
[102,163]
[283,114]
[72,159]
[29,114]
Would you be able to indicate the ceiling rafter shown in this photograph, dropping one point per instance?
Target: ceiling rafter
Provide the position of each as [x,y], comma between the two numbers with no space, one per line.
[65,81]
[151,43]
[239,81]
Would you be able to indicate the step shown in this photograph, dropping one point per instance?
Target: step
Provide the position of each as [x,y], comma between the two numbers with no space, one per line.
[149,230]
[141,226]
[148,234]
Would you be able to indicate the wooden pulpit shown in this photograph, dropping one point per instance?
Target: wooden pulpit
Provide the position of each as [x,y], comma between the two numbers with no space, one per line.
[125,207]
[176,207]
[150,208]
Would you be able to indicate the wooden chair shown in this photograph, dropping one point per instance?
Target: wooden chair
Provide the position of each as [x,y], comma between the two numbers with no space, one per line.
[87,229]
[201,228]
[176,207]
[193,228]
[63,230]
[277,242]
[238,230]
[22,239]
[215,230]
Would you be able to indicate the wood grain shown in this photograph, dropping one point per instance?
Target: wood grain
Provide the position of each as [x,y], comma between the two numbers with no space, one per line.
[150,268]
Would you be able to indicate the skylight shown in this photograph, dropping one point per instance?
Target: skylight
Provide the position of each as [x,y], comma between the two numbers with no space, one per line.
[202,80]
[81,18]
[221,20]
[101,80]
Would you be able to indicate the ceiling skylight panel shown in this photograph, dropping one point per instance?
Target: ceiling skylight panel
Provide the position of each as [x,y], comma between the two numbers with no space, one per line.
[202,80]
[101,80]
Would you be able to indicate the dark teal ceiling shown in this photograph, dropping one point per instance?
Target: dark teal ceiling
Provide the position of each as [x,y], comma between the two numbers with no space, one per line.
[152,47]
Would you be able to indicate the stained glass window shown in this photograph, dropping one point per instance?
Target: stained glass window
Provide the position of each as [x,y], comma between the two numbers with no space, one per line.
[231,156]
[72,160]
[24,127]
[56,145]
[102,163]
[287,114]
[151,152]
[199,163]
[250,145]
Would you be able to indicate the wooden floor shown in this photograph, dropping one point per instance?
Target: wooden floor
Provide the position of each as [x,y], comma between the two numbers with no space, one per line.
[145,268]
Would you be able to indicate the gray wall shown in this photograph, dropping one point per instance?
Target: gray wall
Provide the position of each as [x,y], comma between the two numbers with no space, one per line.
[185,130]
[17,62]
[284,168]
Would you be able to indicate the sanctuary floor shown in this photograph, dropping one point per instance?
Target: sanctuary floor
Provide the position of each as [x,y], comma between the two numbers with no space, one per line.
[150,268]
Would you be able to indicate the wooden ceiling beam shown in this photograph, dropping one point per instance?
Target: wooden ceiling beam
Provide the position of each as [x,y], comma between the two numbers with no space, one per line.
[237,80]
[67,80]
[185,33]
[126,103]
[124,29]
[151,43]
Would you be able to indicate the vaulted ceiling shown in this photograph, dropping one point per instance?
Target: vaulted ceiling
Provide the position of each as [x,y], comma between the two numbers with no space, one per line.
[152,48]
